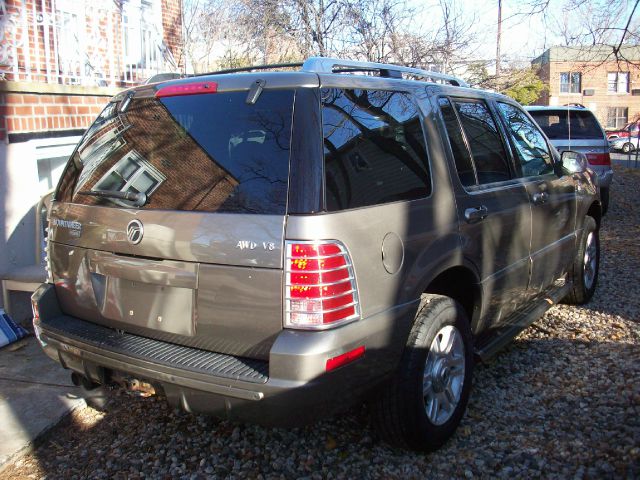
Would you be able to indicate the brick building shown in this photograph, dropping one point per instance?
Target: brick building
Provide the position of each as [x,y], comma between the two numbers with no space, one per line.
[60,62]
[591,76]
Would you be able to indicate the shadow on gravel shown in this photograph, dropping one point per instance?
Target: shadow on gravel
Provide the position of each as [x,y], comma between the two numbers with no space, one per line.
[619,277]
[543,407]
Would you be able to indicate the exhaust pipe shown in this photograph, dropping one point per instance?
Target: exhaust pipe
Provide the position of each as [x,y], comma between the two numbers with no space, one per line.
[82,381]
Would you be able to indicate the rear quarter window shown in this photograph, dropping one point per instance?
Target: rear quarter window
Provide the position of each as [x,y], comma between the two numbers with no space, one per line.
[374,148]
[211,152]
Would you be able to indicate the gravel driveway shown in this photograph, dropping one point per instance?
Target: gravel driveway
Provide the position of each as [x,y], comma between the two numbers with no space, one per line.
[563,401]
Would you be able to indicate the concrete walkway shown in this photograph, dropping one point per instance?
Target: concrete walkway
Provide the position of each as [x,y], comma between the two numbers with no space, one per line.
[35,394]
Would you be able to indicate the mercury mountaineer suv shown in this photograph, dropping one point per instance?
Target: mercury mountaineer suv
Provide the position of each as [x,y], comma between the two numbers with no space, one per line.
[275,246]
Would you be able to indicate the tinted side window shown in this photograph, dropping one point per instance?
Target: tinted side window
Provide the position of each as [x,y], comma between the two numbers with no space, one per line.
[461,154]
[374,148]
[487,150]
[532,152]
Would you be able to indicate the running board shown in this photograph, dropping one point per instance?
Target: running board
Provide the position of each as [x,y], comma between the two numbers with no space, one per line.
[521,319]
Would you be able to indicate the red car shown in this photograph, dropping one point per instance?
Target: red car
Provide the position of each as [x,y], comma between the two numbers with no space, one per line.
[630,128]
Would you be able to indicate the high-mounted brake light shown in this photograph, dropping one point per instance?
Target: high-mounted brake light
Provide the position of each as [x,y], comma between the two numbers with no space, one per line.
[320,286]
[599,158]
[196,88]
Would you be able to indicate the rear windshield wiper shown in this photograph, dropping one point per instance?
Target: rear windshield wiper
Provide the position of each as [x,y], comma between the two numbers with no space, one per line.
[138,198]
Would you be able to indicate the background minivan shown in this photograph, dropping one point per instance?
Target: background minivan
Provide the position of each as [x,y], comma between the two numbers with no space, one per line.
[576,128]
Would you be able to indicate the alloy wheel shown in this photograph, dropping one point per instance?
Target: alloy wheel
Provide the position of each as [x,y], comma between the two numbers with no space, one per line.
[589,261]
[444,375]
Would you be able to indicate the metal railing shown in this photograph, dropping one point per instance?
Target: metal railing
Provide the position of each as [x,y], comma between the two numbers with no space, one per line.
[81,42]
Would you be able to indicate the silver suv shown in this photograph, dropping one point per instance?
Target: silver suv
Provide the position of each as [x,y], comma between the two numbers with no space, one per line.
[576,128]
[275,246]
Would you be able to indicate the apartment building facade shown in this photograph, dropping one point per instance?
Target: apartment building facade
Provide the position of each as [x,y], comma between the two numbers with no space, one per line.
[593,77]
[60,62]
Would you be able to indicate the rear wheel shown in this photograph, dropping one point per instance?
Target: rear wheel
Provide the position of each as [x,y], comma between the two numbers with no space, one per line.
[583,274]
[424,403]
[627,147]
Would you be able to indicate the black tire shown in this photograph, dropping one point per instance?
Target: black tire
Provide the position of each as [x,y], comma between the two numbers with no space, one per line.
[604,198]
[399,414]
[582,290]
[627,147]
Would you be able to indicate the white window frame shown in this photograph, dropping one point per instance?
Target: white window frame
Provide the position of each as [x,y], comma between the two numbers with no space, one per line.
[144,166]
[619,121]
[71,38]
[619,81]
[142,23]
[570,84]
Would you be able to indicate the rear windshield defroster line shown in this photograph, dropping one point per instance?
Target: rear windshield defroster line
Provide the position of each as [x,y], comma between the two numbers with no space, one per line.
[213,153]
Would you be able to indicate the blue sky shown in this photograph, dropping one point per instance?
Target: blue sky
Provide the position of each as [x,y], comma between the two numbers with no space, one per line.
[525,36]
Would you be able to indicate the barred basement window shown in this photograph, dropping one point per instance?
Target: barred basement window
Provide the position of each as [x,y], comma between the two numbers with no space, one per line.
[51,156]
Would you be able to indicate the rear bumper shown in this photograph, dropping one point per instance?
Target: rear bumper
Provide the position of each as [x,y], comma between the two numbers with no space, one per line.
[292,388]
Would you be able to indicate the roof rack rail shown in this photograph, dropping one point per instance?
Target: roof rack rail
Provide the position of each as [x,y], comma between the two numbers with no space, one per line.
[249,69]
[337,65]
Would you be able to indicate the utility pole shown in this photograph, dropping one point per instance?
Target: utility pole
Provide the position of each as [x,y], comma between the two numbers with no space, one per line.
[498,42]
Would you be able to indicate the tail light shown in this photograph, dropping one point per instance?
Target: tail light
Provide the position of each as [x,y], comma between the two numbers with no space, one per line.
[320,286]
[599,158]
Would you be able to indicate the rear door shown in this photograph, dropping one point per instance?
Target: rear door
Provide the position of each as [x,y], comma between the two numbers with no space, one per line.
[553,199]
[493,207]
[169,219]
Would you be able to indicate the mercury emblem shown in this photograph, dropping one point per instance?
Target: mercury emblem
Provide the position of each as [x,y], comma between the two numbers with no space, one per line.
[135,231]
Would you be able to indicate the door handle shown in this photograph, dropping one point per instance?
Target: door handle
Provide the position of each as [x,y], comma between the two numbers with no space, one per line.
[539,198]
[475,214]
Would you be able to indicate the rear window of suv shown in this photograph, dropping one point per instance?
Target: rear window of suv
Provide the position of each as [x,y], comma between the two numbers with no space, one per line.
[558,124]
[212,152]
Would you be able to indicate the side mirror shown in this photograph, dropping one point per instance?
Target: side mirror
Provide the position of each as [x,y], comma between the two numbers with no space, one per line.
[573,162]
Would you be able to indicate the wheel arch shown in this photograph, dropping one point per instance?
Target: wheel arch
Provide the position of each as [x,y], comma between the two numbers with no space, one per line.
[461,283]
[595,211]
